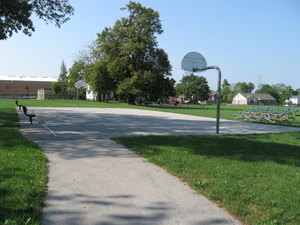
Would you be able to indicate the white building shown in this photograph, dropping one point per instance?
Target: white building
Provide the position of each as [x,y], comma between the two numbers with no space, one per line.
[294,100]
[253,99]
[91,95]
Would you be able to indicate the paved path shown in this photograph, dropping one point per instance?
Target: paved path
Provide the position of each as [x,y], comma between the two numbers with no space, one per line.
[93,180]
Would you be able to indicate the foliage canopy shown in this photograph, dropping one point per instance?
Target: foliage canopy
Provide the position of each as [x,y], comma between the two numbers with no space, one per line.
[193,87]
[15,14]
[130,52]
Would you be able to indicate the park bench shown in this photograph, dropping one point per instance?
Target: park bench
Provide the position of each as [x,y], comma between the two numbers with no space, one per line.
[29,115]
[17,103]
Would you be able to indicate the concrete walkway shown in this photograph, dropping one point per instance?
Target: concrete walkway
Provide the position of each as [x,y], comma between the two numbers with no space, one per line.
[93,180]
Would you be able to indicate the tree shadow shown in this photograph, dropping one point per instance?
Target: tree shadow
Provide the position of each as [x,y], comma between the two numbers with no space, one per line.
[248,148]
[118,209]
[103,210]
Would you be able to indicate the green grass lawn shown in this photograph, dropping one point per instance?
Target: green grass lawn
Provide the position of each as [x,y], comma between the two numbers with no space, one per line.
[255,177]
[23,172]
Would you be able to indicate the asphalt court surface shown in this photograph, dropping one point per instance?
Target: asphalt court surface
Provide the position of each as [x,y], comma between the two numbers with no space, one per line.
[93,180]
[69,123]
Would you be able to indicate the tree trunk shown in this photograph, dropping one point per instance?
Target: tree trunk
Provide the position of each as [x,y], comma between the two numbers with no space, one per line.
[131,100]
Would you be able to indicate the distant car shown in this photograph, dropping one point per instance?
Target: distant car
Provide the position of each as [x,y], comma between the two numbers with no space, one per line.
[29,97]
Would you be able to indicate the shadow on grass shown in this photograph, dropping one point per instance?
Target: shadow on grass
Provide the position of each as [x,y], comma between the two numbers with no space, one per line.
[249,148]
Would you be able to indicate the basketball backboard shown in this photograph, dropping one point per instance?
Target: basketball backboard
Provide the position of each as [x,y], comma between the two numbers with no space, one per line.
[81,84]
[193,60]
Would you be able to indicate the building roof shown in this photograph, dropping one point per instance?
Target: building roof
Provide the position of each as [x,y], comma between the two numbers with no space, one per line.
[28,78]
[259,96]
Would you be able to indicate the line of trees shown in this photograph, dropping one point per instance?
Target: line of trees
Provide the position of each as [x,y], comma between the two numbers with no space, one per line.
[280,92]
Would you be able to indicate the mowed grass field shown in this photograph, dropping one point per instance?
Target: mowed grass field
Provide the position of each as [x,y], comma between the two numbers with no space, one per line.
[255,177]
[23,172]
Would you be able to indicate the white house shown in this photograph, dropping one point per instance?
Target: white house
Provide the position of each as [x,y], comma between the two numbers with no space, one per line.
[253,99]
[294,100]
[91,95]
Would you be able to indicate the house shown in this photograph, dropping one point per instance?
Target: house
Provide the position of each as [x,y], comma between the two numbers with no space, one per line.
[253,99]
[294,100]
[91,95]
[213,96]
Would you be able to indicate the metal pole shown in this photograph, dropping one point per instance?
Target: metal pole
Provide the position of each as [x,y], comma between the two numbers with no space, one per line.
[77,98]
[219,100]
[219,92]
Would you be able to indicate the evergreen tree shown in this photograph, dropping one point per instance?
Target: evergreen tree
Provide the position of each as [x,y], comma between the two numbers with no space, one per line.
[63,79]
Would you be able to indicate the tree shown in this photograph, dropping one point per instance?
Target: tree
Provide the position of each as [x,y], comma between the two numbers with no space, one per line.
[130,50]
[56,88]
[280,92]
[99,79]
[268,89]
[89,55]
[226,95]
[63,79]
[76,73]
[243,87]
[15,14]
[193,87]
[284,92]
[296,92]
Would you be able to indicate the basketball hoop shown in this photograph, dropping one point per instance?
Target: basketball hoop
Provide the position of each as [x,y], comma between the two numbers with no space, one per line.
[195,62]
[80,85]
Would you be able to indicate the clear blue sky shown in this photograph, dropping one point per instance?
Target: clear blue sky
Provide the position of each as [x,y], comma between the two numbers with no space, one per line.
[250,40]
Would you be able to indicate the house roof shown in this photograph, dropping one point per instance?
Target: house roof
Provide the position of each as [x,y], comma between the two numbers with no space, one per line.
[259,96]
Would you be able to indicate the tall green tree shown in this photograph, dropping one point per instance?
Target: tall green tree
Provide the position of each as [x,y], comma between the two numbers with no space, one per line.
[63,79]
[193,87]
[99,79]
[76,73]
[130,50]
[284,92]
[243,87]
[15,15]
[226,95]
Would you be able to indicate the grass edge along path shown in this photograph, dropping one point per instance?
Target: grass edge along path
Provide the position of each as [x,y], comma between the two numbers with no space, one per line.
[255,177]
[23,172]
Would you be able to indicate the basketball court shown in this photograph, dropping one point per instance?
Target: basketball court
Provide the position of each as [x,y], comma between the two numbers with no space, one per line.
[84,123]
[93,180]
